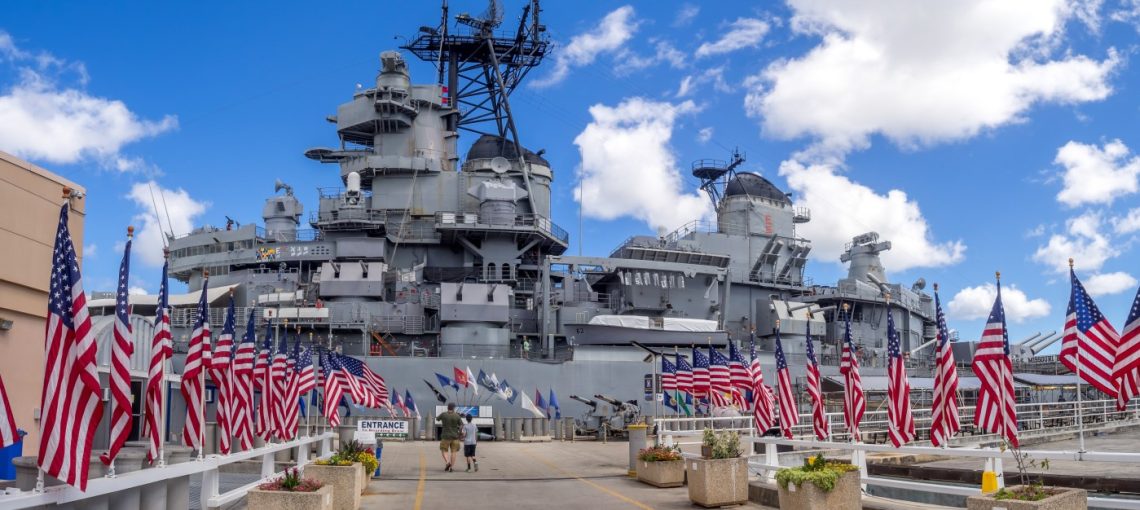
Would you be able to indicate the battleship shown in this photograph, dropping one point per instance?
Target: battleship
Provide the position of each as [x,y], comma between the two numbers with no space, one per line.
[422,257]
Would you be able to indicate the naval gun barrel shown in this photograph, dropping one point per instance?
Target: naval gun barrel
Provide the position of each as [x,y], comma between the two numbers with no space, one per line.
[1040,343]
[1040,346]
[591,403]
[609,400]
[1029,340]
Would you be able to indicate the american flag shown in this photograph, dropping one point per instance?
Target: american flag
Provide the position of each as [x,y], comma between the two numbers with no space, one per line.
[306,374]
[789,411]
[818,413]
[761,394]
[278,380]
[292,398]
[684,375]
[120,376]
[900,421]
[701,381]
[1127,367]
[995,411]
[263,374]
[193,374]
[400,404]
[854,404]
[332,388]
[221,372]
[160,351]
[1090,342]
[944,412]
[370,381]
[668,375]
[720,378]
[69,404]
[9,434]
[243,385]
[738,368]
[353,386]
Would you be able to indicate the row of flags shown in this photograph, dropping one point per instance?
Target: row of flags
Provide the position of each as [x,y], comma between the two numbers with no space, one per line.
[72,408]
[464,378]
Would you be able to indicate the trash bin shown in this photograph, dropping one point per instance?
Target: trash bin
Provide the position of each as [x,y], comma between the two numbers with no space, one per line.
[379,460]
[10,452]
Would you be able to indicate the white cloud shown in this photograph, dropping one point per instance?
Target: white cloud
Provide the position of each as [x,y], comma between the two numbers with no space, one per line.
[1109,283]
[1129,12]
[705,134]
[842,209]
[686,14]
[1096,175]
[1037,231]
[610,35]
[742,33]
[921,72]
[43,120]
[629,169]
[976,302]
[692,82]
[89,250]
[626,61]
[182,211]
[1082,241]
[136,291]
[1128,223]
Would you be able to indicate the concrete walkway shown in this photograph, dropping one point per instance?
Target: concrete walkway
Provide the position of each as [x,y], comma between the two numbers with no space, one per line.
[517,475]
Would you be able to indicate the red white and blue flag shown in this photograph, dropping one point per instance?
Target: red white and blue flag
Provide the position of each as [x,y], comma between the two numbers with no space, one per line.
[333,389]
[193,375]
[1090,342]
[819,422]
[720,379]
[854,403]
[789,411]
[668,375]
[120,376]
[1126,370]
[263,378]
[70,403]
[739,376]
[369,382]
[900,420]
[762,413]
[160,350]
[701,378]
[221,372]
[684,375]
[996,411]
[944,412]
[278,370]
[9,433]
[243,385]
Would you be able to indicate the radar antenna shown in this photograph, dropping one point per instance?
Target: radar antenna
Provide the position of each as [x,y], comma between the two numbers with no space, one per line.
[715,174]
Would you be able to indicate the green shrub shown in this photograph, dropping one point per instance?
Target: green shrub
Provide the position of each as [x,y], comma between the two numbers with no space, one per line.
[727,446]
[659,454]
[708,438]
[820,472]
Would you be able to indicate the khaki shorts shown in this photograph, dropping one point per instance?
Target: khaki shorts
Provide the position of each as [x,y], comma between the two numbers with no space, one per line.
[449,444]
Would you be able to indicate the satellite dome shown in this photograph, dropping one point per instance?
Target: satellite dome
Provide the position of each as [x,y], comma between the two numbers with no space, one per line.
[755,186]
[491,146]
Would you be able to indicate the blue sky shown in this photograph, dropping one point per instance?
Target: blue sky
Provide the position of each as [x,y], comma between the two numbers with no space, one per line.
[976,136]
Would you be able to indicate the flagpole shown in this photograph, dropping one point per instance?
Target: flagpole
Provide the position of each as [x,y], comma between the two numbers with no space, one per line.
[1080,404]
[1001,370]
[202,373]
[162,375]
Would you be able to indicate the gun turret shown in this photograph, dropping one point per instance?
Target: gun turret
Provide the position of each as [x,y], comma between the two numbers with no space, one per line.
[609,400]
[591,403]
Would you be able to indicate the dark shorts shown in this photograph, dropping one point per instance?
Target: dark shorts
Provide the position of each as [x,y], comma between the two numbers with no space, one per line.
[468,450]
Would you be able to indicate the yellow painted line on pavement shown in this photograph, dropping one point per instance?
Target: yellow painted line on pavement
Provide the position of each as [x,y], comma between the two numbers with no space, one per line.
[598,486]
[420,485]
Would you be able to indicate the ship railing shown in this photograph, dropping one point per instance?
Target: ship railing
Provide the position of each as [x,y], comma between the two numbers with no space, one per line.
[303,234]
[348,215]
[338,192]
[210,468]
[688,431]
[460,220]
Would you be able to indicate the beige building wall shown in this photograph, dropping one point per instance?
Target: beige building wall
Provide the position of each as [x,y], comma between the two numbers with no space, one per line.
[30,198]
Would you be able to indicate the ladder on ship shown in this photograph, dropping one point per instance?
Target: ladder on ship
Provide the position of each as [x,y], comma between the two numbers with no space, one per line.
[381,344]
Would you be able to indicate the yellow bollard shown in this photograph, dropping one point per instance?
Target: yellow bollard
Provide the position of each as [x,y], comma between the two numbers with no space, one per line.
[989,482]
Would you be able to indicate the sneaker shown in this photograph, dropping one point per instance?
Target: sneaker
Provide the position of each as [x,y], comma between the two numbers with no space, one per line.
[468,469]
[447,468]
[476,467]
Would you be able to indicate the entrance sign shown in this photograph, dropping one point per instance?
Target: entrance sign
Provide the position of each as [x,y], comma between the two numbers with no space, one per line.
[397,429]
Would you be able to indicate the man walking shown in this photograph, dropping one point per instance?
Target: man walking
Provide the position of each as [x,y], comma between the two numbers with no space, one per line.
[451,424]
[470,436]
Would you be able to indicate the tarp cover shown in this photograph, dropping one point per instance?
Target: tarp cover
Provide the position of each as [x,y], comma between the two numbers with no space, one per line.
[643,322]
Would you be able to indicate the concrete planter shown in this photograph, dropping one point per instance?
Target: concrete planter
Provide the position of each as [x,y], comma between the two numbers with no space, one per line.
[344,481]
[322,499]
[669,473]
[717,482]
[1066,499]
[806,496]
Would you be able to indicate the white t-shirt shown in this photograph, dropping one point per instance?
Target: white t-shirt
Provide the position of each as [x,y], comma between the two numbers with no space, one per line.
[470,433]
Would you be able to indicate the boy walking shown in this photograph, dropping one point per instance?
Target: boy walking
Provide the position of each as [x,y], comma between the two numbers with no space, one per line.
[470,437]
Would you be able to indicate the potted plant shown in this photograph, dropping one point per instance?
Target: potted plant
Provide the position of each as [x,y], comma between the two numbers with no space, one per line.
[721,479]
[708,440]
[820,483]
[661,466]
[344,473]
[292,492]
[1029,495]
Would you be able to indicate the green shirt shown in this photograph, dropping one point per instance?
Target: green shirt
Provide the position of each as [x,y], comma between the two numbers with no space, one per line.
[451,422]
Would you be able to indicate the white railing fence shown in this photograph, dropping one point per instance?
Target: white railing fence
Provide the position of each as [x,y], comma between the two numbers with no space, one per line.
[767,463]
[208,467]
